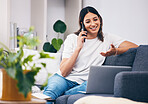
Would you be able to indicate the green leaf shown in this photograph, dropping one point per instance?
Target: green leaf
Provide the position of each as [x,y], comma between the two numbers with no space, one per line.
[57,43]
[60,41]
[4,58]
[27,40]
[44,55]
[11,72]
[1,51]
[59,26]
[16,56]
[24,84]
[44,65]
[31,28]
[28,59]
[47,47]
[25,81]
[5,46]
[12,68]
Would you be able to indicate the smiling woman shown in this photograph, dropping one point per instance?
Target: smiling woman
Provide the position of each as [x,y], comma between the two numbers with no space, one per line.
[78,55]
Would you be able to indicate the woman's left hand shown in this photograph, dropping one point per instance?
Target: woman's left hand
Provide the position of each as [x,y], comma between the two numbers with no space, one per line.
[111,51]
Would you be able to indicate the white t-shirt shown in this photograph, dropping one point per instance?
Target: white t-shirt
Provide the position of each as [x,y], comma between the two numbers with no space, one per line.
[89,54]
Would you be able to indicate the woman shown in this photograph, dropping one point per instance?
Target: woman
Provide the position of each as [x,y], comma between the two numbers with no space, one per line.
[81,50]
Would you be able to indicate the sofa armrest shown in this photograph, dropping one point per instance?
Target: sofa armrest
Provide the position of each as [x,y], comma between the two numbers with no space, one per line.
[132,85]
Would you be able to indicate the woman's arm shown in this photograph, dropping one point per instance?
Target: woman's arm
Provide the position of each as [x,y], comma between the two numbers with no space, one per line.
[68,63]
[123,47]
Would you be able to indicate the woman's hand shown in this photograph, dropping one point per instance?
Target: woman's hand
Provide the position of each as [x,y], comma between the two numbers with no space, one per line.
[80,40]
[111,51]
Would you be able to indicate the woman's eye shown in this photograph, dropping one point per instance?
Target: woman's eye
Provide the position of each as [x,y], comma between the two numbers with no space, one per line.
[95,19]
[87,21]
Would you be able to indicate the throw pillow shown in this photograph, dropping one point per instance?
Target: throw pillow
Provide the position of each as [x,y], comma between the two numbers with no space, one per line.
[125,59]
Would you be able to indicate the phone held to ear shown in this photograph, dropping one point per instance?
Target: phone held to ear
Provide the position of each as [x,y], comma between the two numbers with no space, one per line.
[83,29]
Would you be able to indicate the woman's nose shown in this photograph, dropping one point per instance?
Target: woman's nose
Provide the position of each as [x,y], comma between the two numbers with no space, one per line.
[93,23]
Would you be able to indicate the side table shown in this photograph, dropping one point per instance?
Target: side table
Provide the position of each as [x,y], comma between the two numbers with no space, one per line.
[51,100]
[33,101]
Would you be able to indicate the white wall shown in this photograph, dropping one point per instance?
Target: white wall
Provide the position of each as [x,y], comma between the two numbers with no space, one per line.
[73,8]
[40,13]
[55,11]
[127,18]
[39,19]
[20,13]
[4,22]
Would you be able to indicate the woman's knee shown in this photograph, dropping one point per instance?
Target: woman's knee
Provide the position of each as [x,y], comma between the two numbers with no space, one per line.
[77,89]
[57,85]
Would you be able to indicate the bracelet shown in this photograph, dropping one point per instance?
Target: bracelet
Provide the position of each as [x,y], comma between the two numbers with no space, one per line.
[116,52]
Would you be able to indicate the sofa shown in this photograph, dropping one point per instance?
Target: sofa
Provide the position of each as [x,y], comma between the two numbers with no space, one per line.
[132,85]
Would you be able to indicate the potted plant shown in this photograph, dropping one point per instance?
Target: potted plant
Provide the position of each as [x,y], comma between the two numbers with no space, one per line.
[59,27]
[15,69]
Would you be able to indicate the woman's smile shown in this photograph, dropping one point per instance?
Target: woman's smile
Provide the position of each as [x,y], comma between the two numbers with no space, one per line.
[94,28]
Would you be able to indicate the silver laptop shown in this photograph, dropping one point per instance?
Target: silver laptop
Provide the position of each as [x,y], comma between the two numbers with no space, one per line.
[101,78]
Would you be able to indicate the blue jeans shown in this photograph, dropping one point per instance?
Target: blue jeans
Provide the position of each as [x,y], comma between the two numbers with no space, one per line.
[58,85]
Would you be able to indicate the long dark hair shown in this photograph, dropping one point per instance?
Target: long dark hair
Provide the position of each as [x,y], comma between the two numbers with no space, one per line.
[82,14]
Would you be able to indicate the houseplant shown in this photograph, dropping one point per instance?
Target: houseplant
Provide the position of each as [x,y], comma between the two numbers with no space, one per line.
[16,66]
[59,27]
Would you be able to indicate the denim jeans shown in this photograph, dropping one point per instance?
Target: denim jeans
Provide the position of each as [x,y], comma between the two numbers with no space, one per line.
[58,85]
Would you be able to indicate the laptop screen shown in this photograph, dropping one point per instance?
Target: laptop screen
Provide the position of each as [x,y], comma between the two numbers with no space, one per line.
[101,78]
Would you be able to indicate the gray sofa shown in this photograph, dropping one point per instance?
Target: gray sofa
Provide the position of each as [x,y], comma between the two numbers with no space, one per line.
[127,84]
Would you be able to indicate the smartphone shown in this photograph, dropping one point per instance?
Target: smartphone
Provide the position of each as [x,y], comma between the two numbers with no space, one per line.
[83,29]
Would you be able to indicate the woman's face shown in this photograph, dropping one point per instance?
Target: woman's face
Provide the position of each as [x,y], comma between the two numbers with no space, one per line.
[92,23]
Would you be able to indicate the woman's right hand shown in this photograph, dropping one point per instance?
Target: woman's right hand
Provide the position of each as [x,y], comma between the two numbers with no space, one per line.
[80,40]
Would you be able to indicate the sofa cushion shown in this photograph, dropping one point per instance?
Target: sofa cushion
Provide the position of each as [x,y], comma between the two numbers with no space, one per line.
[105,100]
[62,99]
[141,59]
[125,59]
[73,98]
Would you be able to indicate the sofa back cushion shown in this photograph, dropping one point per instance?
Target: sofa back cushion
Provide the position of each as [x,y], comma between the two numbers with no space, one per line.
[141,59]
[125,59]
[52,65]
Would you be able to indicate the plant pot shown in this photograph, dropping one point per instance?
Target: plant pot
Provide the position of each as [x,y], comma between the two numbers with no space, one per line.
[9,90]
